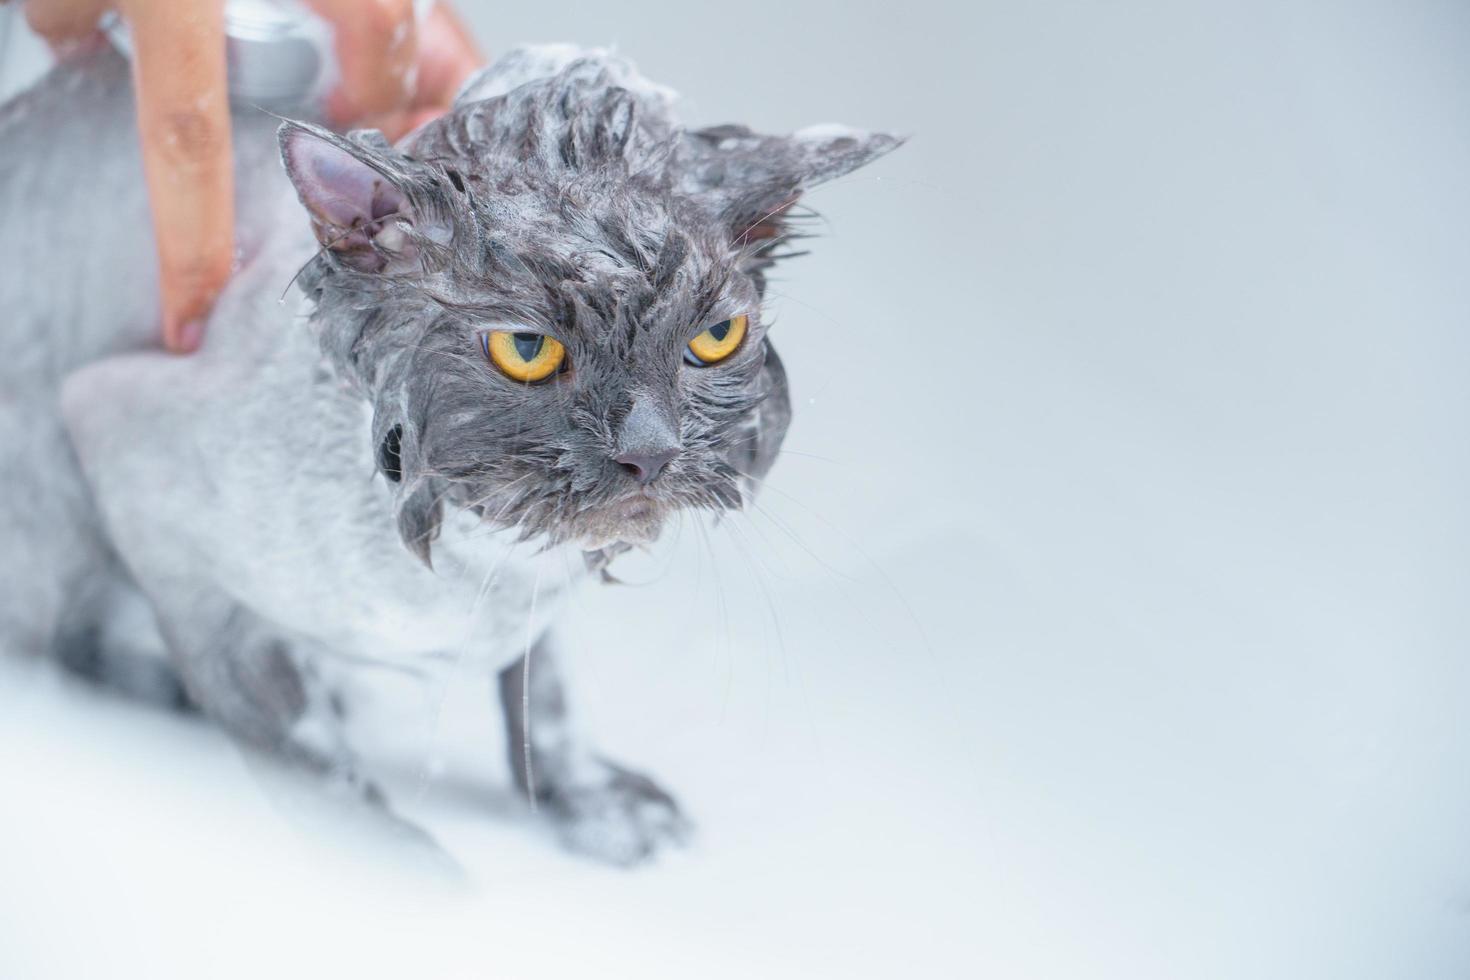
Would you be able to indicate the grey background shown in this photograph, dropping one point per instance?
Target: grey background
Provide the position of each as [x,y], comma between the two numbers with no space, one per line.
[1108,616]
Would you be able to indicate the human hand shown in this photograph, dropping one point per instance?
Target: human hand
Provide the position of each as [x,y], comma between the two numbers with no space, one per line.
[396,72]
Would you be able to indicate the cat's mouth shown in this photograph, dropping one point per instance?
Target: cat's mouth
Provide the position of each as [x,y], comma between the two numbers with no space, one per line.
[636,519]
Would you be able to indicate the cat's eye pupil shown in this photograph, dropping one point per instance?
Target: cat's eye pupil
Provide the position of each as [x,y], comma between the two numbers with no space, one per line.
[528,345]
[720,330]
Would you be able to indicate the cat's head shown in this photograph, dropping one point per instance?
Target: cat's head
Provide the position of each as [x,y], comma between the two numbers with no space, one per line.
[551,297]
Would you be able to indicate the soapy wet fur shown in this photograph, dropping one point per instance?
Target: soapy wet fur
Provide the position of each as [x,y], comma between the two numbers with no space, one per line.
[346,479]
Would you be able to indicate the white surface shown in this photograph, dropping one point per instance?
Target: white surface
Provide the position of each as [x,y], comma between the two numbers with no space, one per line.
[1139,377]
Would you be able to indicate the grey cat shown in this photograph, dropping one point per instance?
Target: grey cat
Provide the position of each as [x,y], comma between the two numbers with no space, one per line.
[528,333]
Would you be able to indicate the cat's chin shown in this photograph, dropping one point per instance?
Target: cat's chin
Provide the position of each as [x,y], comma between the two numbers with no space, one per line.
[636,521]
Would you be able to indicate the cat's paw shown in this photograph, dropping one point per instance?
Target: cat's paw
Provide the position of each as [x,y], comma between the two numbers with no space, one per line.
[623,817]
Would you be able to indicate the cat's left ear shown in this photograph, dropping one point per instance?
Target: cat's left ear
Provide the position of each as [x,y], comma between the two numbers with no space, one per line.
[361,198]
[753,180]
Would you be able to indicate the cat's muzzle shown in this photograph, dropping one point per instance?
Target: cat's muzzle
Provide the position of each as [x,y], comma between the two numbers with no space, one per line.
[635,519]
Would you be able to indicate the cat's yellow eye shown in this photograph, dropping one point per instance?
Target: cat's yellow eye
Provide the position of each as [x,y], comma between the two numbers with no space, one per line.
[525,357]
[718,342]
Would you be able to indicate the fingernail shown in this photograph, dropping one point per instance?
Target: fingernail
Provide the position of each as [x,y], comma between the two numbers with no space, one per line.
[189,336]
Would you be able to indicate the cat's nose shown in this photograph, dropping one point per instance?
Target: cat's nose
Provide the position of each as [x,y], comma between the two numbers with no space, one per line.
[647,439]
[645,466]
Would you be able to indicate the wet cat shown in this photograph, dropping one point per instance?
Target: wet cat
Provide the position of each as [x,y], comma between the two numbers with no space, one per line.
[532,328]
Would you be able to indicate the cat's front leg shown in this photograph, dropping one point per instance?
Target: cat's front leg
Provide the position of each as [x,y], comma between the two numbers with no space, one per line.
[600,808]
[261,684]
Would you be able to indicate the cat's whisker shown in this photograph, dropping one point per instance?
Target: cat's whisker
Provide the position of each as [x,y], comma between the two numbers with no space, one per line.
[526,690]
[805,455]
[456,482]
[769,550]
[799,541]
[883,575]
[726,631]
[458,659]
[791,662]
[758,576]
[318,254]
[453,673]
[502,488]
[452,355]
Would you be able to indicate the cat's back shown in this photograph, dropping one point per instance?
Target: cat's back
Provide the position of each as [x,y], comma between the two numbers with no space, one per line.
[78,270]
[78,286]
[79,279]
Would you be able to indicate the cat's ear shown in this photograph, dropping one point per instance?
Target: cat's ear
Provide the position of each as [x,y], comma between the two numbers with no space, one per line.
[358,197]
[754,180]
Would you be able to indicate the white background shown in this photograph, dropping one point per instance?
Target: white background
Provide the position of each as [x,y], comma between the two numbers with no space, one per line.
[1107,618]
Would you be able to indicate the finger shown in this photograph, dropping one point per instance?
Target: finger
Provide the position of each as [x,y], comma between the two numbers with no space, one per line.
[447,56]
[393,125]
[184,123]
[400,124]
[60,21]
[376,49]
[396,125]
